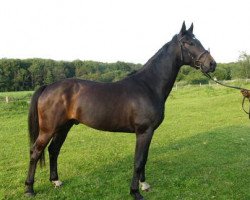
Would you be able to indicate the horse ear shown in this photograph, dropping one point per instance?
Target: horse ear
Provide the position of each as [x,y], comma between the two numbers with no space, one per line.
[190,30]
[183,28]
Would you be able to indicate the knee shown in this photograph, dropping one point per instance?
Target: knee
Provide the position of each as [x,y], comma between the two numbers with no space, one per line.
[34,157]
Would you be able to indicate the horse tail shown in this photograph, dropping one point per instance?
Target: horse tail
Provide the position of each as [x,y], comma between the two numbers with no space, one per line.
[33,121]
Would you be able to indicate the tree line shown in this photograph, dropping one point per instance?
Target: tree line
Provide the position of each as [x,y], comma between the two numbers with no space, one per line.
[29,74]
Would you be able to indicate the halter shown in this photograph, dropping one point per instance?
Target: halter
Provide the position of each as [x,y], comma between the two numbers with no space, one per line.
[196,60]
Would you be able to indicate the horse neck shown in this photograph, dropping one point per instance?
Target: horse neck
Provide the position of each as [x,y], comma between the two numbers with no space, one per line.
[160,72]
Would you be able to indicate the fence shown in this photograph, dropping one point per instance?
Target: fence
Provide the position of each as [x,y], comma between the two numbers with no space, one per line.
[182,85]
[8,97]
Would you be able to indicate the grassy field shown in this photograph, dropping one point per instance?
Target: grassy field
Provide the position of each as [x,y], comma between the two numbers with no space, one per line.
[201,151]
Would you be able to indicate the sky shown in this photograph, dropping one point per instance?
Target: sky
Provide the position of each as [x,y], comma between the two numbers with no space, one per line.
[119,30]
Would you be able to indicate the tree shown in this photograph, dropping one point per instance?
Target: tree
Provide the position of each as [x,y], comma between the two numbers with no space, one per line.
[37,73]
[244,61]
[223,72]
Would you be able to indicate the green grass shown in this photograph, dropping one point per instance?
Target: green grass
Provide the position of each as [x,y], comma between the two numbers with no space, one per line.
[201,151]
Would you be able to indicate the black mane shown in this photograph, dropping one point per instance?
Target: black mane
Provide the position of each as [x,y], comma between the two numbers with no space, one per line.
[154,59]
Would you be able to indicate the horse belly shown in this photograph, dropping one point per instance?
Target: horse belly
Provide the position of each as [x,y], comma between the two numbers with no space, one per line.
[104,117]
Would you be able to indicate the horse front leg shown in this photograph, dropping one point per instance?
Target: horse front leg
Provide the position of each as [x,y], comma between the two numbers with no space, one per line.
[141,153]
[143,184]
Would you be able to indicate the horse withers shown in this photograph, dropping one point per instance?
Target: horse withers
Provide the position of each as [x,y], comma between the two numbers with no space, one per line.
[135,104]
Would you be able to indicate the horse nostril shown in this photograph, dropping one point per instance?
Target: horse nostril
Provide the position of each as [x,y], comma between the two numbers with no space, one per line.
[213,64]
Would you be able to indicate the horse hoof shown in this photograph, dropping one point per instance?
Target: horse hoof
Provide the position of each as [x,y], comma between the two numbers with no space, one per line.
[29,194]
[139,198]
[144,186]
[136,195]
[57,183]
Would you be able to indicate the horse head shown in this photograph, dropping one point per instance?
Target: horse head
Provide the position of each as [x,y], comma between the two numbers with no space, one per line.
[192,51]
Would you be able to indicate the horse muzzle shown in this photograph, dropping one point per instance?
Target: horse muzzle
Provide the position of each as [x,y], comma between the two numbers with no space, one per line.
[212,66]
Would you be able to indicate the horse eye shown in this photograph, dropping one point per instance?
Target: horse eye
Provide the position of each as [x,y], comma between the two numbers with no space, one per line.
[191,43]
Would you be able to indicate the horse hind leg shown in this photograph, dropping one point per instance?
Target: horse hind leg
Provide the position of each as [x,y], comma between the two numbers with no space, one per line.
[35,154]
[54,150]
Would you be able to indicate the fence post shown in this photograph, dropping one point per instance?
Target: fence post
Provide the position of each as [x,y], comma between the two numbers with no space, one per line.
[7,99]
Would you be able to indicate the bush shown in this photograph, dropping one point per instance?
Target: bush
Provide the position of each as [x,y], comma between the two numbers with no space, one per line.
[196,77]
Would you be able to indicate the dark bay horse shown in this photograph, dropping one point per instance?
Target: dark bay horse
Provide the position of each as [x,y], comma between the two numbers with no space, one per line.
[134,104]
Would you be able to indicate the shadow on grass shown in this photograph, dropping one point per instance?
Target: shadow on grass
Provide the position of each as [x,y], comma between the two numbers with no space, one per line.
[211,165]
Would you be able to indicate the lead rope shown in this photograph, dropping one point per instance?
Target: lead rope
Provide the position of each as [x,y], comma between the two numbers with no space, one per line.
[243,102]
[234,87]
